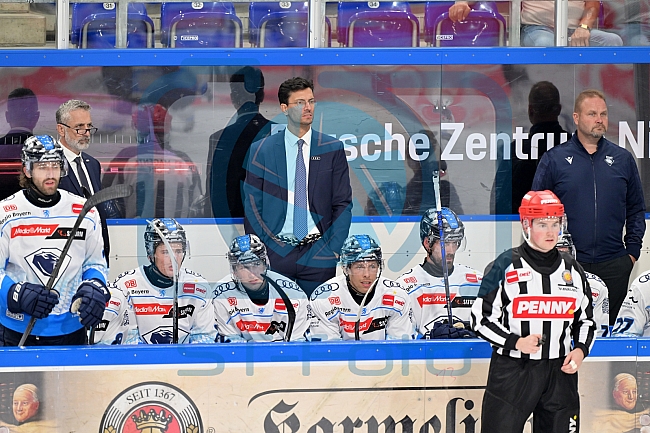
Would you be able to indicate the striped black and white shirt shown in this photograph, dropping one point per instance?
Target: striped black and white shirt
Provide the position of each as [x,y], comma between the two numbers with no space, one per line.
[522,294]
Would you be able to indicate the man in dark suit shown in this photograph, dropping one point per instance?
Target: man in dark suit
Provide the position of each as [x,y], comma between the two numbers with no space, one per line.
[228,147]
[75,126]
[297,195]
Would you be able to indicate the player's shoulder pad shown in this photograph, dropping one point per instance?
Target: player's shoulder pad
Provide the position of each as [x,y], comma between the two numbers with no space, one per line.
[596,278]
[644,278]
[194,274]
[223,288]
[126,274]
[324,290]
[389,284]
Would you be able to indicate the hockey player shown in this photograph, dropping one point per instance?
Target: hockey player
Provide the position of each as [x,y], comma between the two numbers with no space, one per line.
[599,293]
[149,291]
[425,283]
[117,322]
[633,318]
[36,223]
[254,303]
[534,306]
[361,304]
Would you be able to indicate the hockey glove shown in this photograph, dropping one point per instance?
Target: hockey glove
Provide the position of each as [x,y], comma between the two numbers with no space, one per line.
[90,302]
[444,331]
[33,299]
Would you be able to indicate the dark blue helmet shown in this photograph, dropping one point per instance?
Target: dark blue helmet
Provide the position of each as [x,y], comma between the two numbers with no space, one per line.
[452,226]
[357,248]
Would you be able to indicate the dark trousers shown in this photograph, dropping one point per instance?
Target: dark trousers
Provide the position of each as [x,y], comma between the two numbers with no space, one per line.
[9,337]
[300,266]
[615,274]
[518,387]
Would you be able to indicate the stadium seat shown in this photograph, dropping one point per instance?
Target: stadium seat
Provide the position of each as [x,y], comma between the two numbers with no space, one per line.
[484,26]
[93,26]
[377,24]
[283,24]
[200,25]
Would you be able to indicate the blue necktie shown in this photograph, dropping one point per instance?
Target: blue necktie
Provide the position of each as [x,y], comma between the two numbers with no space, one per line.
[300,196]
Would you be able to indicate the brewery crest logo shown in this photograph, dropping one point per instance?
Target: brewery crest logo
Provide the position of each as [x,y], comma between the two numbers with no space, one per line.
[151,407]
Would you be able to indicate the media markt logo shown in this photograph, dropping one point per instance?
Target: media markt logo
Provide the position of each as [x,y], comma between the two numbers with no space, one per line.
[151,407]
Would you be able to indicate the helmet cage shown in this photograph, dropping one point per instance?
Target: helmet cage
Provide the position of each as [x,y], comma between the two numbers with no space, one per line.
[43,148]
[171,230]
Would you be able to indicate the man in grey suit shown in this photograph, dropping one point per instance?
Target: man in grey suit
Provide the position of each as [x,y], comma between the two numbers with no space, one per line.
[297,195]
[75,126]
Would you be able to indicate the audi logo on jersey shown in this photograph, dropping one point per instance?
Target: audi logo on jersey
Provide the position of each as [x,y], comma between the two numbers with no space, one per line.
[543,307]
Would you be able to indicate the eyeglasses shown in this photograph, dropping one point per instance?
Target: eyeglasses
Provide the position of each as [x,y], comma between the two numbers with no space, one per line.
[82,131]
[301,103]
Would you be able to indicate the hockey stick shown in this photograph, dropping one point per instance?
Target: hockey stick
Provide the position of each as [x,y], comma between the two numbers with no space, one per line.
[110,193]
[175,269]
[291,312]
[443,252]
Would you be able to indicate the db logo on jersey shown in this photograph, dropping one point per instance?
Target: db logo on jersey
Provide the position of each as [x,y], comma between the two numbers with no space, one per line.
[410,280]
[232,301]
[130,284]
[543,307]
[10,207]
[519,275]
[334,300]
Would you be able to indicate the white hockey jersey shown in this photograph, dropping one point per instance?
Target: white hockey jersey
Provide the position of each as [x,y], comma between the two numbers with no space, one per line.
[239,319]
[600,299]
[428,298]
[387,316]
[31,242]
[633,318]
[116,324]
[150,309]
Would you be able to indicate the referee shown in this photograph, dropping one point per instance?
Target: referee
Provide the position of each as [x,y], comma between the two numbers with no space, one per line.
[534,307]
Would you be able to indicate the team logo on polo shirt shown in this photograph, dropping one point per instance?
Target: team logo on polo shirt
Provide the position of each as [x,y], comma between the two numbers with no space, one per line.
[152,407]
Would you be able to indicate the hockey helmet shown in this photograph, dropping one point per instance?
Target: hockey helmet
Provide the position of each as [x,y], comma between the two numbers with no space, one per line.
[360,248]
[247,250]
[565,244]
[43,148]
[452,227]
[170,229]
[540,205]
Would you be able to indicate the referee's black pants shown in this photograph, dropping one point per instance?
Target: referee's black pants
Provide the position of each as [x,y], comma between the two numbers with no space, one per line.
[518,387]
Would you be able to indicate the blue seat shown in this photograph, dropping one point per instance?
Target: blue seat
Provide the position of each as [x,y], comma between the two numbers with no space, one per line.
[200,25]
[283,24]
[483,27]
[377,24]
[93,26]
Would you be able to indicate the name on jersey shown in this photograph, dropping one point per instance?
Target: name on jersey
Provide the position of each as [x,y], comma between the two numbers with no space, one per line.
[252,326]
[543,307]
[151,309]
[519,275]
[33,230]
